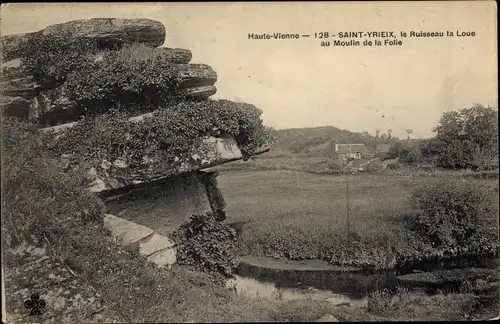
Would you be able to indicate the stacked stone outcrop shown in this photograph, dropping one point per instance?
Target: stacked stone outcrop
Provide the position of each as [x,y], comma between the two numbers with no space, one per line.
[60,88]
[112,81]
[26,96]
[69,79]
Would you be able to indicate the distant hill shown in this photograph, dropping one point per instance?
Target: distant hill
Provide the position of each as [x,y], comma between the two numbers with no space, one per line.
[319,141]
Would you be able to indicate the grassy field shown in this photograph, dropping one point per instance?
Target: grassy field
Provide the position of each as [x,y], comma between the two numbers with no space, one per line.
[324,165]
[286,162]
[299,215]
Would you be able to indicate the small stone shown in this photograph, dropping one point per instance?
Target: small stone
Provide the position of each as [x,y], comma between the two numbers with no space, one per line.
[328,318]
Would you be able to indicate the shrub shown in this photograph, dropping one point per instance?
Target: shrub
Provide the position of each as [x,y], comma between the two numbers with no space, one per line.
[452,214]
[409,153]
[394,166]
[374,166]
[207,245]
[459,154]
[135,77]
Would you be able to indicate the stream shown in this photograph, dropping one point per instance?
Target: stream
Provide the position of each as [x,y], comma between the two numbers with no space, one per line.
[287,280]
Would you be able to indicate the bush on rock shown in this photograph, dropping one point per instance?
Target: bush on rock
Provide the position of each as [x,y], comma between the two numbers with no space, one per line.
[134,84]
[206,244]
[169,134]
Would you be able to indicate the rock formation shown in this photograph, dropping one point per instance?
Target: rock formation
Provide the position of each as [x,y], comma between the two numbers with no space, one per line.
[28,95]
[137,116]
[108,32]
[70,94]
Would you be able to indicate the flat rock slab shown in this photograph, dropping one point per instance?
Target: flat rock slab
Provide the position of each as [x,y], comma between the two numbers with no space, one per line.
[212,151]
[155,243]
[112,30]
[126,231]
[159,249]
[107,31]
[453,276]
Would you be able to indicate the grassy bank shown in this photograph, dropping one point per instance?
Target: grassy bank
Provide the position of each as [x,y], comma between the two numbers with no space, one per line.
[414,306]
[299,215]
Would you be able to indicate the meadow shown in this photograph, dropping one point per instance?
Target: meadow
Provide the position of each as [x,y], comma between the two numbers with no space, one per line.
[302,215]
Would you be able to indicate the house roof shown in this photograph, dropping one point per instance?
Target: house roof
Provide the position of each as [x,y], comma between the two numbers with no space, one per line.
[382,148]
[352,148]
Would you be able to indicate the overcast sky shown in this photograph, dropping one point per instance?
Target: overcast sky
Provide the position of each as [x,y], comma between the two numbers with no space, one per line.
[297,83]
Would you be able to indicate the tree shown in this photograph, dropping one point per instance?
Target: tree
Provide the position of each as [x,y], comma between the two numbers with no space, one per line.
[478,124]
[389,134]
[408,132]
[468,137]
[406,152]
[378,134]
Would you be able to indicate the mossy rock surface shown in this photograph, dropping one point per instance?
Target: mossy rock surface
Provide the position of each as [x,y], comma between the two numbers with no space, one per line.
[107,32]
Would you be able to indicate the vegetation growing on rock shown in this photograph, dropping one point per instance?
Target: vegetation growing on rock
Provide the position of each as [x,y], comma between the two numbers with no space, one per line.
[169,134]
[129,83]
[50,59]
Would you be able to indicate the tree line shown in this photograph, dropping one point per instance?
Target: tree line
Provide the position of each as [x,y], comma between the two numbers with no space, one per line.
[465,139]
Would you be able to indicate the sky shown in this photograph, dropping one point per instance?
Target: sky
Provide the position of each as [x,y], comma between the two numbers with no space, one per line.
[296,82]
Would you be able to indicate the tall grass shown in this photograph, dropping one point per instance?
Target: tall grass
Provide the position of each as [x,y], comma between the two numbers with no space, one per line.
[405,305]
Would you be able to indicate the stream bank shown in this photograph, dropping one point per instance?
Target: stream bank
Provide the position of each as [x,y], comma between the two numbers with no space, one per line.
[320,281]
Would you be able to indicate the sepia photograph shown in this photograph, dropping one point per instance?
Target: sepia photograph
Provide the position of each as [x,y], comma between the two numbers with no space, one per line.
[220,162]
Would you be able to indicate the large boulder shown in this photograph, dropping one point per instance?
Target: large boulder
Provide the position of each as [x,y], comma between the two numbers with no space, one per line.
[16,80]
[55,106]
[12,45]
[196,75]
[108,32]
[26,87]
[112,31]
[117,174]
